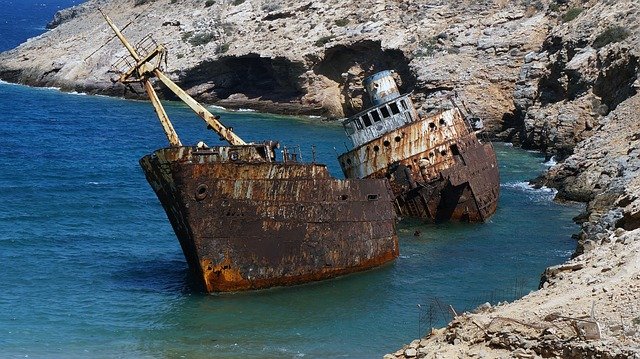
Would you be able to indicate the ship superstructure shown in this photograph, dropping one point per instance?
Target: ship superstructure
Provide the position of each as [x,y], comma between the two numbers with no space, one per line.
[437,165]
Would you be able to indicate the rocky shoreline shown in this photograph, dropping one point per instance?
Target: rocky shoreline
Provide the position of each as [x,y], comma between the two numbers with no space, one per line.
[560,76]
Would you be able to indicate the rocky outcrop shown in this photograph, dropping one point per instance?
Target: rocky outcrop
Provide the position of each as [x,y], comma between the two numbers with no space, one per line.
[586,67]
[293,57]
[577,99]
[599,287]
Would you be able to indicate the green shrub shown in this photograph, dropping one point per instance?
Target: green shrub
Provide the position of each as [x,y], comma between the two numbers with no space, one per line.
[141,2]
[427,48]
[571,14]
[186,35]
[610,35]
[323,40]
[201,39]
[228,28]
[342,22]
[222,48]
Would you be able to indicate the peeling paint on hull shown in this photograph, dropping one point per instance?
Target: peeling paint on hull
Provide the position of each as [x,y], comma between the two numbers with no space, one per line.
[246,223]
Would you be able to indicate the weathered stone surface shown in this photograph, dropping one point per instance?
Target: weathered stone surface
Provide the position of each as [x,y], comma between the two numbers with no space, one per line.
[299,58]
[576,98]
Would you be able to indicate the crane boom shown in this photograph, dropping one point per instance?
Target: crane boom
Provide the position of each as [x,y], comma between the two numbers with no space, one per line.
[144,70]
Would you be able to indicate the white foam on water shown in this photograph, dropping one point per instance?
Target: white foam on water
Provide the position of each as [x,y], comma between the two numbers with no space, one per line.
[78,93]
[508,144]
[246,110]
[216,107]
[536,194]
[551,162]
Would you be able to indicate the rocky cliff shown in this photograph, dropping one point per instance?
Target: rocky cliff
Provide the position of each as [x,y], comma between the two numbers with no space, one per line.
[556,75]
[296,57]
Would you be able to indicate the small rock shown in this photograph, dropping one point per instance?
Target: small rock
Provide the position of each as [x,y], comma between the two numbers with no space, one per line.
[483,308]
[529,57]
[410,353]
[389,356]
[415,344]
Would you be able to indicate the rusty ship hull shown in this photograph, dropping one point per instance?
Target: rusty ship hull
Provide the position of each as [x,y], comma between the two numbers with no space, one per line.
[438,166]
[246,223]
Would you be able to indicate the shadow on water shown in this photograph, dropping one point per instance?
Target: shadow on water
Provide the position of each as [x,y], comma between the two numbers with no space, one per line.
[158,275]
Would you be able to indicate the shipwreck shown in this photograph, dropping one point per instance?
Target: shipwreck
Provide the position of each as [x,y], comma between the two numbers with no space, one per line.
[438,166]
[248,220]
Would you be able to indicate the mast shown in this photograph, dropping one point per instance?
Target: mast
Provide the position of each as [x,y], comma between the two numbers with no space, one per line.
[144,70]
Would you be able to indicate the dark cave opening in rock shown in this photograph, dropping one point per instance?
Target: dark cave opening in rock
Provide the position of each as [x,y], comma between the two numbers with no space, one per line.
[369,57]
[272,79]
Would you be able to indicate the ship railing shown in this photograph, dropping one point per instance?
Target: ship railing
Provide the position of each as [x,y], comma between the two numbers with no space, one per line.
[295,154]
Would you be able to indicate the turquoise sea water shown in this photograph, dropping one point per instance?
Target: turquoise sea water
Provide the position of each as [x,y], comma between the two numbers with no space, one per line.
[92,268]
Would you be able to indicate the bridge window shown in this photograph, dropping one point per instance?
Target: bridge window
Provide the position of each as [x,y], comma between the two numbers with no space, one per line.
[403,104]
[366,120]
[375,115]
[394,108]
[385,112]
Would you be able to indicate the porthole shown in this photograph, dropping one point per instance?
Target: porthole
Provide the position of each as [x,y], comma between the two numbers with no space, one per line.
[201,192]
[397,139]
[376,148]
[386,143]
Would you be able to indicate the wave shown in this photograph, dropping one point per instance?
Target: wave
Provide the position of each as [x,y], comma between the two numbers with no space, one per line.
[216,107]
[551,162]
[245,110]
[2,82]
[78,93]
[542,194]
